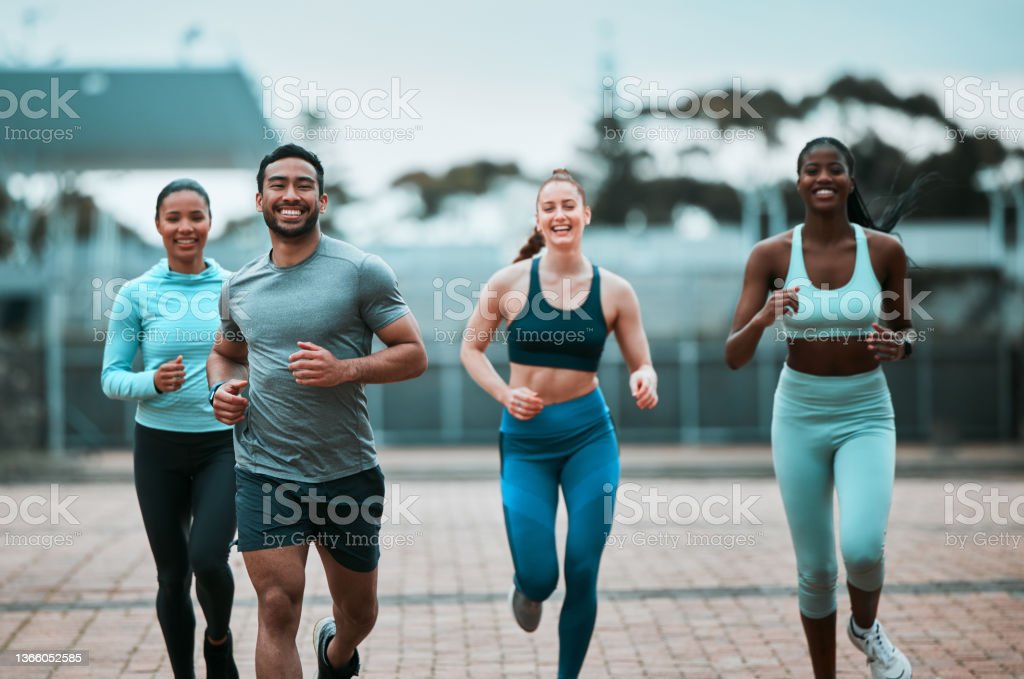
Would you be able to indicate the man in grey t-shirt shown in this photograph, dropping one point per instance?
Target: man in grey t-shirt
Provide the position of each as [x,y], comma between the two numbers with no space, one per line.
[296,331]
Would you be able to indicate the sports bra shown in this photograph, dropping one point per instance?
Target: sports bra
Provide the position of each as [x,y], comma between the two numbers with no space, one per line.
[832,313]
[558,338]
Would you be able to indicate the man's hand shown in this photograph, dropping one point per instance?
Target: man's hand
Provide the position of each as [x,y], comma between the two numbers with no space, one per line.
[314,366]
[228,405]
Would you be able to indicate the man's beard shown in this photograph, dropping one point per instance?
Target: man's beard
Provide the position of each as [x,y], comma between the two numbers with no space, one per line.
[297,232]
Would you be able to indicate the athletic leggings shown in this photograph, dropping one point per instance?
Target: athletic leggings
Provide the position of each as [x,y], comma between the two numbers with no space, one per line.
[572,445]
[834,431]
[186,487]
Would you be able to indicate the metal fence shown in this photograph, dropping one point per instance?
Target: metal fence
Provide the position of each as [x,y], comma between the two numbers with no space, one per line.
[954,389]
[965,382]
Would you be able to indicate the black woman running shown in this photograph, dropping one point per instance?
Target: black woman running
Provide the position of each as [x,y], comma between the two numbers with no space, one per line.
[832,280]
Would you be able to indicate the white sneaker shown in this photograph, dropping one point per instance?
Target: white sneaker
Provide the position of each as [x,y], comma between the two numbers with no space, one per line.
[885,660]
[527,612]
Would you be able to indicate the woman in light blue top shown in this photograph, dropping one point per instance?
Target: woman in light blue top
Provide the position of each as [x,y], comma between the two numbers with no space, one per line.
[184,458]
[832,280]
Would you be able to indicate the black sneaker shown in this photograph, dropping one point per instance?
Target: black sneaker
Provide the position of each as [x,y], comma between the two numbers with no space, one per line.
[323,632]
[220,661]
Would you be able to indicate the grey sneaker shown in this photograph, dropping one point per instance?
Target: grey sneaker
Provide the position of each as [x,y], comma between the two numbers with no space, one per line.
[884,659]
[323,632]
[527,612]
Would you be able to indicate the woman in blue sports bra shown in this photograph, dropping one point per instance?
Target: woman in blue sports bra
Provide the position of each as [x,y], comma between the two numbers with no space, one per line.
[555,429]
[832,280]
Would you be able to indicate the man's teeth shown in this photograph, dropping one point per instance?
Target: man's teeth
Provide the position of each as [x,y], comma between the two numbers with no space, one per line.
[291,212]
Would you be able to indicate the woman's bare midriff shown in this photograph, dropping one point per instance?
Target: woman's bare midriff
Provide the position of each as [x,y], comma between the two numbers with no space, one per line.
[830,357]
[553,385]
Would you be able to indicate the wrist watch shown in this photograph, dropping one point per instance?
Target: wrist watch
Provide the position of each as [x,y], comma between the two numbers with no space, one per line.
[213,390]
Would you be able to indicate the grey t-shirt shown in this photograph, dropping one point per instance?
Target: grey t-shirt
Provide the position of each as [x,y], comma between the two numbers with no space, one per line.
[337,299]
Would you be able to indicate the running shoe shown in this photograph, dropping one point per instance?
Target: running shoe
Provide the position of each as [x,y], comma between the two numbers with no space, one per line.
[884,659]
[323,632]
[527,612]
[220,661]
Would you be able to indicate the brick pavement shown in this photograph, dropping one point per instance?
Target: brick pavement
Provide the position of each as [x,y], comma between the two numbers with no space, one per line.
[676,600]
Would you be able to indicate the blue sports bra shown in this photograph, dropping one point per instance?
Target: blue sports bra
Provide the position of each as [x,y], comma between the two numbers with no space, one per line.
[558,338]
[833,313]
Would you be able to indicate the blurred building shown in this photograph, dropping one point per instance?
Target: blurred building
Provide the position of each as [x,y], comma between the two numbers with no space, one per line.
[66,121]
[965,382]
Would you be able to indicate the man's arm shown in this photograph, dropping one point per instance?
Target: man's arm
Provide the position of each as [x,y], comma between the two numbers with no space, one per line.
[228,363]
[228,360]
[403,358]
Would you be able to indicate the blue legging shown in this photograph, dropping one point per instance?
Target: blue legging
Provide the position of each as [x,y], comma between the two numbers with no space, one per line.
[571,444]
[834,431]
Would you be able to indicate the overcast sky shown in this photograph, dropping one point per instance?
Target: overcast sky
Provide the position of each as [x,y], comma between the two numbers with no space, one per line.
[515,81]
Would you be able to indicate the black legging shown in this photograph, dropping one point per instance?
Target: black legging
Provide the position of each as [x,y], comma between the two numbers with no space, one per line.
[186,488]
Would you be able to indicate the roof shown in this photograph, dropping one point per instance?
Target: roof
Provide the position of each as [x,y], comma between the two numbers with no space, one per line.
[89,119]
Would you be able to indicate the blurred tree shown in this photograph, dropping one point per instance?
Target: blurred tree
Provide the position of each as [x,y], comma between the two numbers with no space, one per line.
[772,107]
[873,91]
[661,196]
[6,237]
[82,210]
[37,231]
[620,190]
[883,171]
[473,178]
[337,196]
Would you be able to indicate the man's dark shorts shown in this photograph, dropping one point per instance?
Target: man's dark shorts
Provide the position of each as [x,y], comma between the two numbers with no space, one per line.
[342,515]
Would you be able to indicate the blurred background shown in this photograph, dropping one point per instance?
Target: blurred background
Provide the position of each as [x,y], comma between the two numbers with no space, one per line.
[436,125]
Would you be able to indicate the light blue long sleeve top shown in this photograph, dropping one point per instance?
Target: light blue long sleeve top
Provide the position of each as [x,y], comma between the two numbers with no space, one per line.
[165,314]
